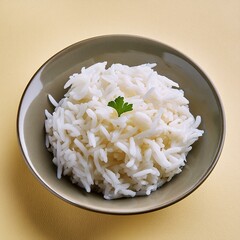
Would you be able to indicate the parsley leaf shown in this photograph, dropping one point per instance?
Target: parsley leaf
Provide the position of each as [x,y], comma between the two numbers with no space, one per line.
[120,106]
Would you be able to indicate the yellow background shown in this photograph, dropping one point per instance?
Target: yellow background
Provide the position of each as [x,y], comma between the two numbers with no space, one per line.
[32,31]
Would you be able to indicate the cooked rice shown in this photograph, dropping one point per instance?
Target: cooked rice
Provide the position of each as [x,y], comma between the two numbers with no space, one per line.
[125,156]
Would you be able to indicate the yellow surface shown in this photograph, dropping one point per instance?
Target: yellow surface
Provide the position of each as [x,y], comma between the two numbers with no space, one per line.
[32,31]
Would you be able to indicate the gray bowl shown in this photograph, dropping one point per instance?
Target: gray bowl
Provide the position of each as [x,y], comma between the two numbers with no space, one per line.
[130,50]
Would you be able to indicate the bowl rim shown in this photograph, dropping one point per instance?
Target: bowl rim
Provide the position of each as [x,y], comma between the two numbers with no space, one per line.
[120,212]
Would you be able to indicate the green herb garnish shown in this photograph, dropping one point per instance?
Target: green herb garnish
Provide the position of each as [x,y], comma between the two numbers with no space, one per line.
[120,106]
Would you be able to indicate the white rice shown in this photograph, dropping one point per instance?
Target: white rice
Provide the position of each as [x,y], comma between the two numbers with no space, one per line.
[124,156]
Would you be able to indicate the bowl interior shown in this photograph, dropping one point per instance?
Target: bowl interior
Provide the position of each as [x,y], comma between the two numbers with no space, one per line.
[129,50]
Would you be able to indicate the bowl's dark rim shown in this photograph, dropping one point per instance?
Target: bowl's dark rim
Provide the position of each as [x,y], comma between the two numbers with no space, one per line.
[110,211]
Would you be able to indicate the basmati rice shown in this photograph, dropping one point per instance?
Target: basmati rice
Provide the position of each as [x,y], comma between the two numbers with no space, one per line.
[125,156]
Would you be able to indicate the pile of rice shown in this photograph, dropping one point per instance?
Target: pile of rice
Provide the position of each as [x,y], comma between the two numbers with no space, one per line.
[124,156]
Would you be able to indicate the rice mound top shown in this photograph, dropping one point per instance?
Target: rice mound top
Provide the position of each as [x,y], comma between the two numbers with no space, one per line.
[124,156]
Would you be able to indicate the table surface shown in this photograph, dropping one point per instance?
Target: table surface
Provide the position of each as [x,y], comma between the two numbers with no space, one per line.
[32,31]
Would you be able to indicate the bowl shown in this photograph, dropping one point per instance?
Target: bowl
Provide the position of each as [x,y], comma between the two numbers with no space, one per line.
[131,50]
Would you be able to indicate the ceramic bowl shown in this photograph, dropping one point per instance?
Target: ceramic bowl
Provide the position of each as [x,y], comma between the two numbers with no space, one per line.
[131,50]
